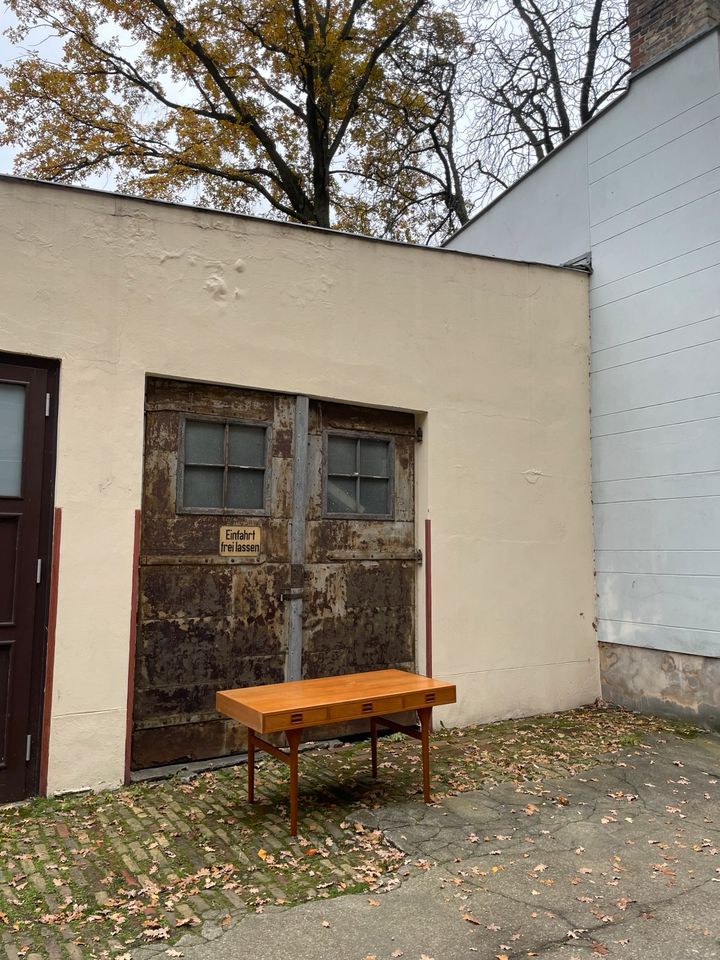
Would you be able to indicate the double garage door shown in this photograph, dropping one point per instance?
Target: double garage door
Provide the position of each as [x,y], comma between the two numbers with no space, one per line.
[278,542]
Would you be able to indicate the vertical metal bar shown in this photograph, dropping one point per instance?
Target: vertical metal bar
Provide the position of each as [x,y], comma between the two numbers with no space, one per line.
[132,645]
[428,600]
[297,537]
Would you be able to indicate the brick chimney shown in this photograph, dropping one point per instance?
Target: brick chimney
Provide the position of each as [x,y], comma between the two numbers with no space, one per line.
[657,26]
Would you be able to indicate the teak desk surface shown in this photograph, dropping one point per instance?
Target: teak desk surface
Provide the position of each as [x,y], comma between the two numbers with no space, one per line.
[293,706]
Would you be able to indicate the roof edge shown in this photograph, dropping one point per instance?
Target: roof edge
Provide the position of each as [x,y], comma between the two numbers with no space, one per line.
[281,224]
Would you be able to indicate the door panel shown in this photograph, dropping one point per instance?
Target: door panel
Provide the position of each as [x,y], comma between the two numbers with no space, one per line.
[24,498]
[9,530]
[359,599]
[206,622]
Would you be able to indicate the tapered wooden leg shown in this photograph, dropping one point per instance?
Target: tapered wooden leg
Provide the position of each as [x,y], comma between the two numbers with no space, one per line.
[373,746]
[251,766]
[424,715]
[293,738]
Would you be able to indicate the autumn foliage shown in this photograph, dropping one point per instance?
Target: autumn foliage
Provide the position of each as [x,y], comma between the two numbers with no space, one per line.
[387,117]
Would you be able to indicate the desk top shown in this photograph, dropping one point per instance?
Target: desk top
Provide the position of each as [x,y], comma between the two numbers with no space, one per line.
[305,703]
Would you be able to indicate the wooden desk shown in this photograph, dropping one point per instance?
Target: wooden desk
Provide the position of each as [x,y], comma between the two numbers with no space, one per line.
[292,707]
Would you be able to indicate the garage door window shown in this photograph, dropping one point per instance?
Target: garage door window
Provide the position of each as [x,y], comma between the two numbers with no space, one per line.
[358,476]
[224,467]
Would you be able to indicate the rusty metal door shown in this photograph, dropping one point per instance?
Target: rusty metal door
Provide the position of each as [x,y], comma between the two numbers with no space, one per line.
[26,438]
[307,587]
[360,557]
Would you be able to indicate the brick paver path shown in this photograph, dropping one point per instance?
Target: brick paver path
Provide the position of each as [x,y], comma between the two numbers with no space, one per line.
[108,874]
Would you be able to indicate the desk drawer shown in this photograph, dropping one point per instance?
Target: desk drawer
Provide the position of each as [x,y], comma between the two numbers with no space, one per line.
[366,708]
[296,718]
[414,701]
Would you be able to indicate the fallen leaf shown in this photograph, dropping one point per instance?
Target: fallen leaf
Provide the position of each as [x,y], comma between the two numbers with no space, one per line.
[599,948]
[325,923]
[470,919]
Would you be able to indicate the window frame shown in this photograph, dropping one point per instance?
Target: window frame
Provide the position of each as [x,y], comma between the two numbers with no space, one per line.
[359,435]
[181,509]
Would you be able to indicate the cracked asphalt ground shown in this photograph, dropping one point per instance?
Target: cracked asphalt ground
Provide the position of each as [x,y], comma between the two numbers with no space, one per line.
[620,860]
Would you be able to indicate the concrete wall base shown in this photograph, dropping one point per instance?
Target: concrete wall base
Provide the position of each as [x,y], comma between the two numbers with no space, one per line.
[657,681]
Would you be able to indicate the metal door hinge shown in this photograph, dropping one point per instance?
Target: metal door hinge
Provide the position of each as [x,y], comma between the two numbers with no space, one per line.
[419,557]
[28,745]
[47,404]
[419,434]
[38,571]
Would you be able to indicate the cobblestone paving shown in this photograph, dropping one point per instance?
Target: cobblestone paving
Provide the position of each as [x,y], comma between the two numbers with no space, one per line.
[159,864]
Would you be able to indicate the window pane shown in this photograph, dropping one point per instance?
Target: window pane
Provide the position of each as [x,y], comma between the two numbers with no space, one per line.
[204,442]
[12,420]
[374,496]
[374,458]
[203,487]
[246,446]
[245,489]
[341,495]
[341,455]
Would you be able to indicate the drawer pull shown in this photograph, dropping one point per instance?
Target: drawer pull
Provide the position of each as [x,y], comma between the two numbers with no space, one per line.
[429,698]
[296,717]
[367,708]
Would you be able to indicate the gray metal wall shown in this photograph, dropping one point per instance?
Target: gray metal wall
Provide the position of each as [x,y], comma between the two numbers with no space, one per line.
[640,188]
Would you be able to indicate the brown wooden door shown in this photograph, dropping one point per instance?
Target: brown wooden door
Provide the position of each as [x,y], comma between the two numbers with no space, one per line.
[24,512]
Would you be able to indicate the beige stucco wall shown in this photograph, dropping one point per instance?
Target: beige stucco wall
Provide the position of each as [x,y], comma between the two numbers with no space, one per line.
[492,354]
